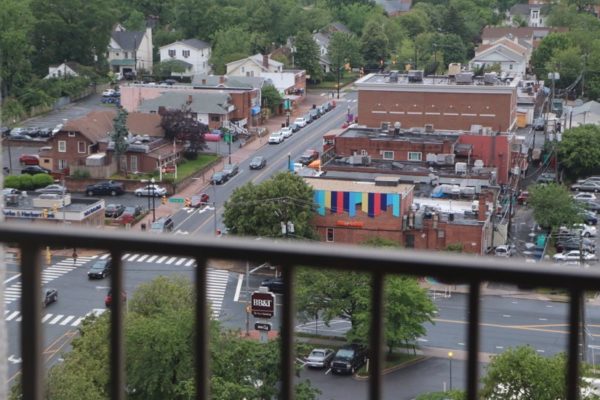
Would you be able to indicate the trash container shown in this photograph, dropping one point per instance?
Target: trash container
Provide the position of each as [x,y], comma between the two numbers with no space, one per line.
[143,227]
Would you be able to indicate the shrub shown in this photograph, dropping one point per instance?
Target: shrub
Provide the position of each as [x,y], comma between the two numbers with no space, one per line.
[41,180]
[81,174]
[12,181]
[25,182]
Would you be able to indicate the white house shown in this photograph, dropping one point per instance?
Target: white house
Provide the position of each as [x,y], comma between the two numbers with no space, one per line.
[193,54]
[253,66]
[322,39]
[512,57]
[530,13]
[130,51]
[63,70]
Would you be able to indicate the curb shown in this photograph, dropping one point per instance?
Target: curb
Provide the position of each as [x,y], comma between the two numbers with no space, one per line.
[394,368]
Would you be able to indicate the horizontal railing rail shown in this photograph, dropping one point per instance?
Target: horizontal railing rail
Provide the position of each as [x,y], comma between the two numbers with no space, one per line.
[289,255]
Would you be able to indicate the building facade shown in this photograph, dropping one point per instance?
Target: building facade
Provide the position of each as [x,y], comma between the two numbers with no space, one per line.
[130,52]
[193,54]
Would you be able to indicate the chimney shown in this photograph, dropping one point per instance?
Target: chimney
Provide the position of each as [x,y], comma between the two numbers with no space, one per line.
[482,207]
[266,61]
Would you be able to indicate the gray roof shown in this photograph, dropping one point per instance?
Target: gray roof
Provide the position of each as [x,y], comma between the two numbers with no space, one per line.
[339,27]
[197,43]
[394,6]
[322,38]
[520,9]
[591,107]
[231,82]
[202,103]
[128,40]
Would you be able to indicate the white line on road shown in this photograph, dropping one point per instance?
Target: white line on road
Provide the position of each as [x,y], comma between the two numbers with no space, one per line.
[499,347]
[189,263]
[142,258]
[46,317]
[540,351]
[66,320]
[506,315]
[543,319]
[160,260]
[238,288]
[12,316]
[171,260]
[152,258]
[56,319]
[461,344]
[181,261]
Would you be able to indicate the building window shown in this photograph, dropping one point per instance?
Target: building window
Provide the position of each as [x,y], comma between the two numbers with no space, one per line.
[510,66]
[134,163]
[388,155]
[363,152]
[185,53]
[71,134]
[172,53]
[330,236]
[414,156]
[62,164]
[62,146]
[81,147]
[409,241]
[243,70]
[215,118]
[126,54]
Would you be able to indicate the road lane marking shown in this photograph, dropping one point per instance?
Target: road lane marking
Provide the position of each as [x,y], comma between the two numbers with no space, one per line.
[56,319]
[66,320]
[142,258]
[46,317]
[171,260]
[506,315]
[181,261]
[12,316]
[152,259]
[160,261]
[133,257]
[238,288]
[189,263]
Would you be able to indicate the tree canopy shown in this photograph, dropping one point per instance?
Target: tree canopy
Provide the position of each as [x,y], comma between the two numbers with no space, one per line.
[181,126]
[259,210]
[579,151]
[553,206]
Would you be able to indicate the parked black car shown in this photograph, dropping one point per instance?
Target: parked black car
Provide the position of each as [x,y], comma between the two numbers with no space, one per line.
[231,170]
[100,269]
[258,162]
[34,169]
[274,285]
[575,243]
[104,188]
[114,210]
[349,359]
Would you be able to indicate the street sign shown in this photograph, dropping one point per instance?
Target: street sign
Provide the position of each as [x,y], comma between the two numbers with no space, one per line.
[262,326]
[262,304]
[175,199]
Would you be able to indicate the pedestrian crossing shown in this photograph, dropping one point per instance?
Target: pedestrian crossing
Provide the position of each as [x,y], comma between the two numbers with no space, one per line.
[54,319]
[155,259]
[55,271]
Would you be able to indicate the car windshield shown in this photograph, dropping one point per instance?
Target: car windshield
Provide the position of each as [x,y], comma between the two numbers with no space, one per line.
[98,265]
[345,354]
[157,226]
[217,175]
[317,354]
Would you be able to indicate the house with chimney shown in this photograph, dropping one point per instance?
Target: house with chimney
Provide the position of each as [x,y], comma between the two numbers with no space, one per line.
[130,52]
[512,57]
[191,54]
[253,66]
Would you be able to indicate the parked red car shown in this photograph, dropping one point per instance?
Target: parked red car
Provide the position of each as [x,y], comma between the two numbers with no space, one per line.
[523,196]
[29,159]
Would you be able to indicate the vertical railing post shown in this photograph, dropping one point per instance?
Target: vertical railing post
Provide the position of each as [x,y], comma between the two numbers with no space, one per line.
[287,334]
[31,328]
[117,357]
[573,346]
[201,349]
[377,337]
[473,340]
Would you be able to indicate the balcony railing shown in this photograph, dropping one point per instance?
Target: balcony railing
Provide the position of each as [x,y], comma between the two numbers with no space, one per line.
[380,262]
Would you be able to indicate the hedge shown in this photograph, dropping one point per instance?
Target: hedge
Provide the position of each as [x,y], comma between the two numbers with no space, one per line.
[28,182]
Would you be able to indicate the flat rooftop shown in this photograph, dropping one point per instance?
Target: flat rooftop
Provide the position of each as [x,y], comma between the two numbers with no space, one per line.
[358,186]
[401,79]
[78,204]
[404,135]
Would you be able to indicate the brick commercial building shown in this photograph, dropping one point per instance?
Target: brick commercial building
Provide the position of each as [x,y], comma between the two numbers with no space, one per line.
[353,212]
[447,103]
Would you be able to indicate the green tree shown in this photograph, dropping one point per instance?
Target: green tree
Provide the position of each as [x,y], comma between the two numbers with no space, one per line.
[544,52]
[179,124]
[259,210]
[579,151]
[119,136]
[229,44]
[553,206]
[414,22]
[449,395]
[374,45]
[344,48]
[307,55]
[271,98]
[165,69]
[521,373]
[135,21]
[356,15]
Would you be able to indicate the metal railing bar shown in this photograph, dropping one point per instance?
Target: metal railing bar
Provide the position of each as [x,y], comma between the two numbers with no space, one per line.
[376,337]
[315,254]
[31,327]
[117,356]
[573,345]
[202,353]
[288,366]
[473,340]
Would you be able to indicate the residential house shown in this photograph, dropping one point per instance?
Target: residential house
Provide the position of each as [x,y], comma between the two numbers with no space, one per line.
[130,52]
[210,108]
[66,69]
[532,13]
[395,7]
[84,144]
[253,66]
[192,54]
[531,35]
[322,38]
[512,57]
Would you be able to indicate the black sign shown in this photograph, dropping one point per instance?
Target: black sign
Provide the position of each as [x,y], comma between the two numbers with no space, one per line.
[262,304]
[262,326]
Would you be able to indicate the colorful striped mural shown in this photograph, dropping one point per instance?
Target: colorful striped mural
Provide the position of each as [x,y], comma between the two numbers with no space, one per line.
[372,204]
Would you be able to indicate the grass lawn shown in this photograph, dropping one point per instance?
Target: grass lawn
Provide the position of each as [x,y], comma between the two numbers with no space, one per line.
[345,80]
[185,169]
[392,360]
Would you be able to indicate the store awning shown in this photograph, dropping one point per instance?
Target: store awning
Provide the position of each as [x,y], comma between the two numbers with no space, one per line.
[256,110]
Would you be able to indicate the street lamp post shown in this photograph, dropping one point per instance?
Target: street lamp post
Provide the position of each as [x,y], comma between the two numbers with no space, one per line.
[153,205]
[289,165]
[450,354]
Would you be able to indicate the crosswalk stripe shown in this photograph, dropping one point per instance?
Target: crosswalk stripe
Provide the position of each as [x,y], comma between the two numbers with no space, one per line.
[152,258]
[160,261]
[60,269]
[46,317]
[189,263]
[143,257]
[104,256]
[6,312]
[66,320]
[56,319]
[133,257]
[171,260]
[77,321]
[125,256]
[181,261]
[13,315]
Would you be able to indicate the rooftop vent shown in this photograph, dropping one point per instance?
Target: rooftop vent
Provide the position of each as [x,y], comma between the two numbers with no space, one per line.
[415,75]
[464,78]
[394,76]
[490,78]
[454,68]
[429,128]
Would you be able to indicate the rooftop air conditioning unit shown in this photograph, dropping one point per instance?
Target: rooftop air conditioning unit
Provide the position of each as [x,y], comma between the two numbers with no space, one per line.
[464,78]
[454,68]
[394,76]
[415,75]
[429,128]
[490,78]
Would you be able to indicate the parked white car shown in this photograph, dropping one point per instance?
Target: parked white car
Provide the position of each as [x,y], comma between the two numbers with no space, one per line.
[301,122]
[579,230]
[574,255]
[505,250]
[151,190]
[286,132]
[584,196]
[276,137]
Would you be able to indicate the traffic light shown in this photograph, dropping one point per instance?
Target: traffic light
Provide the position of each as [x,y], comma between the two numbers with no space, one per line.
[45,213]
[164,200]
[187,202]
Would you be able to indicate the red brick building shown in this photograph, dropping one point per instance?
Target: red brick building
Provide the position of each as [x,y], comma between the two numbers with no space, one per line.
[441,103]
[353,212]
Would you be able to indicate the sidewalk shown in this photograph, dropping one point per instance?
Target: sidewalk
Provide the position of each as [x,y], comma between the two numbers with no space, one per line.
[238,154]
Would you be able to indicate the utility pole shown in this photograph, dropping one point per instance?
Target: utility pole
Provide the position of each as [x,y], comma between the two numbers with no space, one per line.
[582,305]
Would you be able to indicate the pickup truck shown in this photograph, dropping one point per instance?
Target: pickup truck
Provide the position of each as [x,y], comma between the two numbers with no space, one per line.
[105,188]
[308,156]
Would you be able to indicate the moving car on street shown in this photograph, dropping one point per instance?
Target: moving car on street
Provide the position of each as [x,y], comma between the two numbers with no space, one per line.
[100,269]
[258,162]
[52,189]
[49,296]
[199,200]
[219,178]
[108,298]
[276,138]
[308,156]
[231,170]
[274,285]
